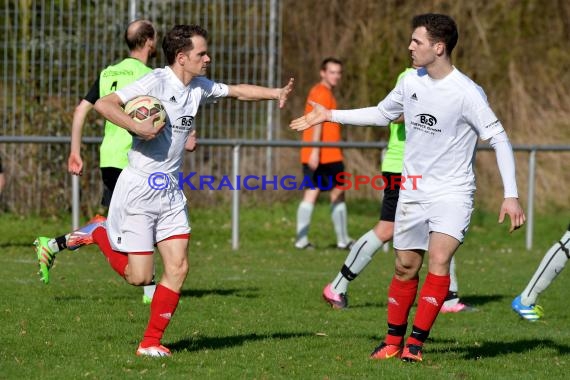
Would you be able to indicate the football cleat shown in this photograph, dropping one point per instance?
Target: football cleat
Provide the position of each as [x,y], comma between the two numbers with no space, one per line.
[531,313]
[412,353]
[348,245]
[45,257]
[337,301]
[84,235]
[308,246]
[146,300]
[459,307]
[153,351]
[386,351]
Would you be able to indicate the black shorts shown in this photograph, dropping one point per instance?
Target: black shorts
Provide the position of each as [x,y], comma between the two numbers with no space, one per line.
[324,178]
[391,194]
[110,177]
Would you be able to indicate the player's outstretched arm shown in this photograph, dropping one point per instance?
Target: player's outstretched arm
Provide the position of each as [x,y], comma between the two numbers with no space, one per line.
[368,116]
[317,115]
[513,209]
[74,161]
[252,92]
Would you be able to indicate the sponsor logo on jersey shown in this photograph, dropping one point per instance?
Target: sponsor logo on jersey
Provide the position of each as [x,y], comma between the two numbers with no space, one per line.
[173,100]
[426,119]
[183,124]
[114,73]
[425,122]
[414,97]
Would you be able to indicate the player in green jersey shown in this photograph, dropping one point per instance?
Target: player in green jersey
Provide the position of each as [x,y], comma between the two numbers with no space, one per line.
[141,38]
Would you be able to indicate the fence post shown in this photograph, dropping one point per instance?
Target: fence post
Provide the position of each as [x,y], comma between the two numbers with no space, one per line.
[235,197]
[271,82]
[132,10]
[530,205]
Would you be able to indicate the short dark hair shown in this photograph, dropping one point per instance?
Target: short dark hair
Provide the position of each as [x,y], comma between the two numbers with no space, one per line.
[328,60]
[440,28]
[179,39]
[138,32]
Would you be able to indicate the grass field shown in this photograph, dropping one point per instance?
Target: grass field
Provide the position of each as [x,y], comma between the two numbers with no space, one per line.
[257,313]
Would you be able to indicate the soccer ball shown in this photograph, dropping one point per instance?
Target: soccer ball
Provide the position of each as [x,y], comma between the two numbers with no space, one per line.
[145,106]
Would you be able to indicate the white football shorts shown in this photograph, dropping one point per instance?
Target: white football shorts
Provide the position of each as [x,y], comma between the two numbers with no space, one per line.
[414,221]
[140,216]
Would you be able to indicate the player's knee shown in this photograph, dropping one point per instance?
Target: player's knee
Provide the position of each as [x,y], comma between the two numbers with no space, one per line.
[179,270]
[440,268]
[384,235]
[139,279]
[183,268]
[406,270]
[384,230]
[402,271]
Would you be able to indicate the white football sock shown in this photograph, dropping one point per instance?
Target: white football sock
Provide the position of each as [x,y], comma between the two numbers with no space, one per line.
[52,244]
[149,290]
[551,265]
[453,285]
[339,219]
[304,213]
[360,255]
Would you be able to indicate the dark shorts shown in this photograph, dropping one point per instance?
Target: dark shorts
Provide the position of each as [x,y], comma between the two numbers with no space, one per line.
[390,201]
[110,176]
[324,178]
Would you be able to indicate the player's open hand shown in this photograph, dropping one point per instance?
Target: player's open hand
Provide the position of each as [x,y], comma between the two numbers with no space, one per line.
[191,142]
[75,164]
[284,93]
[513,209]
[318,115]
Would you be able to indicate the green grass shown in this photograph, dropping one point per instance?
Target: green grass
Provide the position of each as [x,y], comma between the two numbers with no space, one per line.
[257,313]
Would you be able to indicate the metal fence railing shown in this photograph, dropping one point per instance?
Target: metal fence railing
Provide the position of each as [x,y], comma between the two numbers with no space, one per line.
[237,144]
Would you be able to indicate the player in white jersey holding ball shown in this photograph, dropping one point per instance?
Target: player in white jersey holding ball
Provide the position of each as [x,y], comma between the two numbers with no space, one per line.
[445,113]
[141,217]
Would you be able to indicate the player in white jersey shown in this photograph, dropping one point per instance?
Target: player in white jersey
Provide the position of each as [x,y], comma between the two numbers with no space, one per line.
[141,217]
[445,113]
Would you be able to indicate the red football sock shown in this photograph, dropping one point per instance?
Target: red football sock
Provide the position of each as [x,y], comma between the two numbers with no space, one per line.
[432,296]
[118,260]
[401,297]
[162,308]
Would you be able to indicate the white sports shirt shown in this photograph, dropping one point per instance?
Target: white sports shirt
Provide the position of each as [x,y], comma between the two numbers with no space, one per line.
[164,153]
[444,118]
